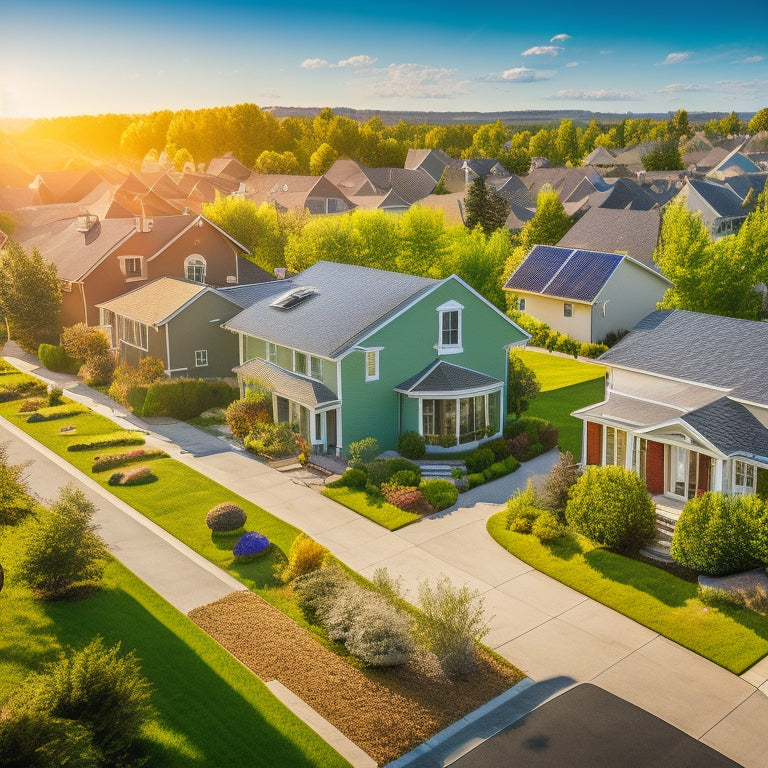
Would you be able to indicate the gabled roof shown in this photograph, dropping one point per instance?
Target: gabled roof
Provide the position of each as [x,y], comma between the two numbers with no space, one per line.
[440,377]
[513,190]
[566,181]
[350,301]
[616,231]
[600,156]
[294,386]
[624,194]
[433,161]
[482,166]
[730,427]
[723,201]
[743,183]
[722,352]
[228,166]
[564,273]
[156,302]
[735,162]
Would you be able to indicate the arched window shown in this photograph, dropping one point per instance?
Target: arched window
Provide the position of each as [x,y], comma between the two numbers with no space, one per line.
[194,268]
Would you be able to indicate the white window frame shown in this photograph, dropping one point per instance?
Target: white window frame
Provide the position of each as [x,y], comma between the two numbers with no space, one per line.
[271,353]
[567,309]
[201,355]
[371,355]
[748,472]
[443,312]
[131,274]
[620,445]
[195,261]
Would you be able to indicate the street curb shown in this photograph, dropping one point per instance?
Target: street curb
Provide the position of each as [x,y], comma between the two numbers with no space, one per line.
[471,724]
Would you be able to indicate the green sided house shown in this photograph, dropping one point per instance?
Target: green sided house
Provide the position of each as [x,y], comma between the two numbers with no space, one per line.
[351,352]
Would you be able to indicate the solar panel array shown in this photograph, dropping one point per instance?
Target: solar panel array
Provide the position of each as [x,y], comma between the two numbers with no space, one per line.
[583,275]
[538,269]
[563,272]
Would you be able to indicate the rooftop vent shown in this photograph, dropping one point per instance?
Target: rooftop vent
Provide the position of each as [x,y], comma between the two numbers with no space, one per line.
[231,279]
[294,297]
[281,273]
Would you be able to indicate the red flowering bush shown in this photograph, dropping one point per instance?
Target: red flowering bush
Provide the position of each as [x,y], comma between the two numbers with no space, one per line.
[407,498]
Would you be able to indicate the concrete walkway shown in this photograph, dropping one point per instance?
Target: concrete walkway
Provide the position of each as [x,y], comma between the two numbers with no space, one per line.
[547,629]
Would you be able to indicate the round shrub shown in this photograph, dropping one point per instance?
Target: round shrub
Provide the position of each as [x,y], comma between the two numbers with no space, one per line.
[406,477]
[546,527]
[381,471]
[719,534]
[611,506]
[225,518]
[249,546]
[522,506]
[363,451]
[479,460]
[439,494]
[243,415]
[500,448]
[304,556]
[411,445]
[354,478]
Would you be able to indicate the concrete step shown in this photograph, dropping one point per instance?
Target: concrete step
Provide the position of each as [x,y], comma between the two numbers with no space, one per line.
[658,552]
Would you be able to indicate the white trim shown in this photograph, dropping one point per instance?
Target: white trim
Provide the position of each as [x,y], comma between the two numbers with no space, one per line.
[375,375]
[201,365]
[188,227]
[188,262]
[443,311]
[168,349]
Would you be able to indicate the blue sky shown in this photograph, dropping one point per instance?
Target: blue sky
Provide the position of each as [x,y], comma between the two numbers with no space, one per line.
[86,57]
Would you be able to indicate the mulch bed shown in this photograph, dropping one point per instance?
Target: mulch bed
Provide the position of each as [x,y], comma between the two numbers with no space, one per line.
[386,712]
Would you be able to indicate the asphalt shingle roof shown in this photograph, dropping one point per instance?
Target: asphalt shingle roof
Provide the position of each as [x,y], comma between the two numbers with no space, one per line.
[349,301]
[631,411]
[440,377]
[724,201]
[565,273]
[730,427]
[722,352]
[293,386]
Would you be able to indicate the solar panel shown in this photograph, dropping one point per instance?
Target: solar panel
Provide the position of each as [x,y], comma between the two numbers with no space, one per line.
[539,267]
[583,275]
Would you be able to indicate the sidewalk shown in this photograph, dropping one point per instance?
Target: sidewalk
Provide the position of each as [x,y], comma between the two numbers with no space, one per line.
[547,629]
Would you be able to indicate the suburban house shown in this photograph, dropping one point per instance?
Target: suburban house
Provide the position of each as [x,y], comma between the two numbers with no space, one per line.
[351,352]
[686,407]
[586,294]
[314,193]
[97,260]
[177,321]
[721,208]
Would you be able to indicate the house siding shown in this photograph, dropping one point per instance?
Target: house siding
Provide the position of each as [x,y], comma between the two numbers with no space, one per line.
[408,345]
[550,311]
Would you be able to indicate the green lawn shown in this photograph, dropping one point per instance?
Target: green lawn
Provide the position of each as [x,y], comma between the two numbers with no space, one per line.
[734,638]
[210,711]
[378,510]
[566,385]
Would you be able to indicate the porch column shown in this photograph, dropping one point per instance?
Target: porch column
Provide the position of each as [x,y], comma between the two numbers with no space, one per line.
[630,452]
[583,461]
[718,479]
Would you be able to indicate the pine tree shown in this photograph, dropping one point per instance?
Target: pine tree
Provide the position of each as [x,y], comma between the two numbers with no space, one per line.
[485,207]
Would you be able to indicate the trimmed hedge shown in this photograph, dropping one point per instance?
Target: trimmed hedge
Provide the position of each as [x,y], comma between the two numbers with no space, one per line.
[381,470]
[440,494]
[186,398]
[134,476]
[103,463]
[56,359]
[123,437]
[29,388]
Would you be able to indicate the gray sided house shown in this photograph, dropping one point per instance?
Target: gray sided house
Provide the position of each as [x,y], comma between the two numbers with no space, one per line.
[177,321]
[722,211]
[350,352]
[686,407]
[585,294]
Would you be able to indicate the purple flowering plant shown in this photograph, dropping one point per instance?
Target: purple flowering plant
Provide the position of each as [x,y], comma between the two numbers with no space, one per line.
[250,545]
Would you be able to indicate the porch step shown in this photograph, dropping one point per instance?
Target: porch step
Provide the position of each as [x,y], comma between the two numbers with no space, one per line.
[658,552]
[437,470]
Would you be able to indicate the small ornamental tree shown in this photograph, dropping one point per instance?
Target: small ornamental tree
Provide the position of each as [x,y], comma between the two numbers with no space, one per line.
[718,534]
[523,385]
[64,554]
[91,345]
[15,502]
[363,451]
[562,477]
[485,207]
[611,506]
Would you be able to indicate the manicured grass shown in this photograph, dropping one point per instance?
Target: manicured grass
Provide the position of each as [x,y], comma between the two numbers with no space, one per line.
[734,638]
[566,385]
[378,510]
[210,711]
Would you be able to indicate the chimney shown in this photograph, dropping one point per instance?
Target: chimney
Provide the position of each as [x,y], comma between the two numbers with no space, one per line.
[281,272]
[85,221]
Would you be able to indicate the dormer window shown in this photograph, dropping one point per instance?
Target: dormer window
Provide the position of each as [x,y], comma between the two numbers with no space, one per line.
[132,266]
[194,268]
[449,328]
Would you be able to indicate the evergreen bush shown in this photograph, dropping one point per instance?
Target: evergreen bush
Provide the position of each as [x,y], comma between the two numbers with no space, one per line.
[363,452]
[54,358]
[440,494]
[381,470]
[411,445]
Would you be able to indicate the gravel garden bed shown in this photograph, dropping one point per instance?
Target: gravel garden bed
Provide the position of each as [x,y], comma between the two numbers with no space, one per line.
[386,712]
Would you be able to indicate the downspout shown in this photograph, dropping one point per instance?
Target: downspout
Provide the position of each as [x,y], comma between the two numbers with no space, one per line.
[168,348]
[85,305]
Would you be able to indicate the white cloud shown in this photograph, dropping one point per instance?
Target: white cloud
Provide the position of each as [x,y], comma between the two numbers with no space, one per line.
[676,58]
[572,64]
[598,95]
[313,63]
[683,88]
[748,60]
[542,50]
[358,61]
[559,38]
[419,82]
[525,75]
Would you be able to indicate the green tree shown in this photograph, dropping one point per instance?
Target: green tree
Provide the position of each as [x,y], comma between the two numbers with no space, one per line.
[543,144]
[488,141]
[665,156]
[478,259]
[759,122]
[322,159]
[679,125]
[65,555]
[423,242]
[181,159]
[588,138]
[566,142]
[30,297]
[523,385]
[15,501]
[277,162]
[549,224]
[92,345]
[516,160]
[485,207]
[611,506]
[730,125]
[7,223]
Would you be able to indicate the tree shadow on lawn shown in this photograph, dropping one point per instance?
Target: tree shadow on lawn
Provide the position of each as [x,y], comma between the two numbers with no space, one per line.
[565,547]
[659,584]
[260,572]
[201,716]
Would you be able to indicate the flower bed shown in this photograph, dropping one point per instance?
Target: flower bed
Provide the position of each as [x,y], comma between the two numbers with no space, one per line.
[103,463]
[109,440]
